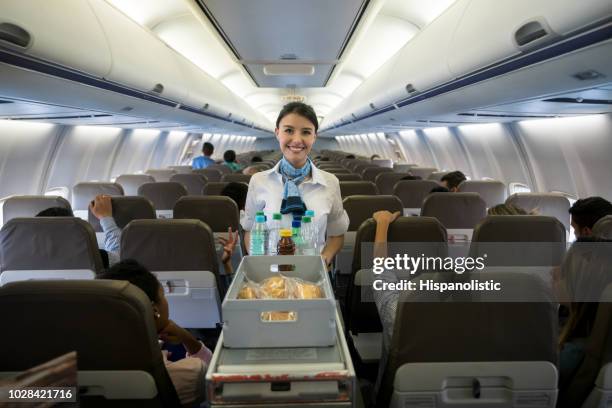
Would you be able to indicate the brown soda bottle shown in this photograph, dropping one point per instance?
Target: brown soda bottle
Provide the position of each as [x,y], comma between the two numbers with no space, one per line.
[285,245]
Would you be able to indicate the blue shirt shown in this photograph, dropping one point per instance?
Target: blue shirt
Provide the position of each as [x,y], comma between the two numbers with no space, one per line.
[202,162]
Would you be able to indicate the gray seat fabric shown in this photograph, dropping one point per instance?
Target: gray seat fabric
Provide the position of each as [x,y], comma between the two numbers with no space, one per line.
[347,177]
[370,173]
[218,212]
[214,188]
[386,181]
[211,175]
[493,192]
[29,206]
[360,167]
[350,188]
[181,169]
[361,207]
[336,170]
[222,168]
[437,175]
[236,178]
[455,210]
[603,227]
[193,183]
[413,192]
[126,209]
[551,204]
[531,240]
[78,316]
[161,174]
[472,326]
[163,195]
[84,193]
[49,243]
[422,172]
[131,182]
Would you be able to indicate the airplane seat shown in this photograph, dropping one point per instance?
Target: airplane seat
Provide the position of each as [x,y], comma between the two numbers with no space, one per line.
[422,172]
[84,193]
[108,323]
[126,209]
[48,248]
[437,175]
[236,178]
[214,188]
[412,193]
[370,173]
[403,167]
[493,192]
[603,227]
[416,235]
[478,345]
[131,182]
[181,253]
[458,212]
[222,168]
[529,240]
[29,206]
[360,167]
[163,195]
[336,170]
[385,181]
[193,183]
[162,175]
[388,163]
[551,204]
[347,177]
[181,169]
[350,188]
[212,175]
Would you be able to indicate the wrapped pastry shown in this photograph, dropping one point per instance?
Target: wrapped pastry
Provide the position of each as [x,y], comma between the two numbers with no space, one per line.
[307,290]
[275,287]
[247,292]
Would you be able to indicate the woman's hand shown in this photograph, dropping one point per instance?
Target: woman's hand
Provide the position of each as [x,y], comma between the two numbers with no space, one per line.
[229,245]
[385,217]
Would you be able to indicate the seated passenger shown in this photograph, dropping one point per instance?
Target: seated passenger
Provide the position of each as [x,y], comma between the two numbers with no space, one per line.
[586,212]
[349,156]
[101,207]
[201,162]
[411,177]
[250,170]
[374,157]
[229,158]
[238,193]
[440,189]
[256,159]
[452,180]
[187,374]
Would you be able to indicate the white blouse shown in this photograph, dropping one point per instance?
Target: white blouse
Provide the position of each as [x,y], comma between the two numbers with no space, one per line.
[321,193]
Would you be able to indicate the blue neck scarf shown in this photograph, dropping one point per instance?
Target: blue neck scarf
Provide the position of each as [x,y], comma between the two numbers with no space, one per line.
[292,199]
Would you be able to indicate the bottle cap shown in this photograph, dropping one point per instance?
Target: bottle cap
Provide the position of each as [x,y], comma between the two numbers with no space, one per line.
[306,220]
[285,233]
[260,213]
[277,216]
[260,218]
[297,218]
[309,213]
[296,224]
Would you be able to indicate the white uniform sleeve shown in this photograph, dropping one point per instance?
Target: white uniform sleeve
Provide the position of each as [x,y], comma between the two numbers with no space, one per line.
[251,206]
[337,220]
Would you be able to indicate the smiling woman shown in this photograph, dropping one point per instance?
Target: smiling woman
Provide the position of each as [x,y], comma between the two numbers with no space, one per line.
[295,185]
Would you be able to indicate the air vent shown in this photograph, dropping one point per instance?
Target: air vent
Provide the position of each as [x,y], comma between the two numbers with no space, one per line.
[126,109]
[14,35]
[581,101]
[158,89]
[530,32]
[410,89]
[588,75]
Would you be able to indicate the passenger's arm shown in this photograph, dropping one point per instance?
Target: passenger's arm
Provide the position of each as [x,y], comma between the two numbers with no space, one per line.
[101,207]
[383,220]
[332,247]
[175,334]
[228,250]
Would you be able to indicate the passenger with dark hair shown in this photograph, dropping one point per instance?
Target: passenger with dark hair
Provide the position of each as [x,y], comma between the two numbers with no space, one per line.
[201,162]
[187,374]
[256,159]
[410,177]
[440,189]
[586,212]
[237,192]
[452,180]
[295,184]
[229,159]
[101,207]
[349,156]
[374,157]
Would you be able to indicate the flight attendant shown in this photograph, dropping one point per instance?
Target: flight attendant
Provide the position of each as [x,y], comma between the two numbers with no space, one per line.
[295,185]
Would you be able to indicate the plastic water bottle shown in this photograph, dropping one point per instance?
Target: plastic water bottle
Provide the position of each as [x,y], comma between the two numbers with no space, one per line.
[259,236]
[296,235]
[315,229]
[308,240]
[274,233]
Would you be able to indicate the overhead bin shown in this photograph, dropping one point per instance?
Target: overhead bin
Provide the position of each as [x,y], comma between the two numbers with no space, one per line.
[139,59]
[491,31]
[65,32]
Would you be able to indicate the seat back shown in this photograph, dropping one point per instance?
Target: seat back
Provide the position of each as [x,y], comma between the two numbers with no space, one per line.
[214,188]
[236,178]
[603,227]
[131,182]
[422,172]
[181,169]
[222,168]
[126,209]
[163,195]
[493,192]
[212,175]
[84,193]
[337,170]
[347,177]
[29,206]
[193,183]
[413,192]
[361,207]
[185,261]
[550,204]
[350,188]
[162,175]
[78,316]
[360,167]
[48,248]
[218,212]
[455,210]
[385,181]
[370,173]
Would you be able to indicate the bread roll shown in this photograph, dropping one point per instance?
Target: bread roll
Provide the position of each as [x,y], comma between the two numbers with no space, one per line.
[275,287]
[247,292]
[309,291]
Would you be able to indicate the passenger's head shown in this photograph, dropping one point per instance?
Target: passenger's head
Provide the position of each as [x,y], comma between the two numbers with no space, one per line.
[296,132]
[410,177]
[586,212]
[133,272]
[237,192]
[349,156]
[506,209]
[229,156]
[208,149]
[440,189]
[56,212]
[452,180]
[374,156]
[256,159]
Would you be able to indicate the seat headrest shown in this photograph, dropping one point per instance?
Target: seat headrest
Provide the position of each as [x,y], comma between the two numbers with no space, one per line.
[29,206]
[163,194]
[236,178]
[83,193]
[193,183]
[551,204]
[218,212]
[161,174]
[413,192]
[49,243]
[493,192]
[181,169]
[214,188]
[131,182]
[455,210]
[126,209]
[361,207]
[603,227]
[370,173]
[350,188]
[422,172]
[348,177]
[385,181]
[212,175]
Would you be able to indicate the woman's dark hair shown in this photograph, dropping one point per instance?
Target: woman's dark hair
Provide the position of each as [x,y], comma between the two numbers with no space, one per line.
[133,272]
[453,179]
[229,156]
[56,212]
[237,192]
[301,109]
[256,159]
